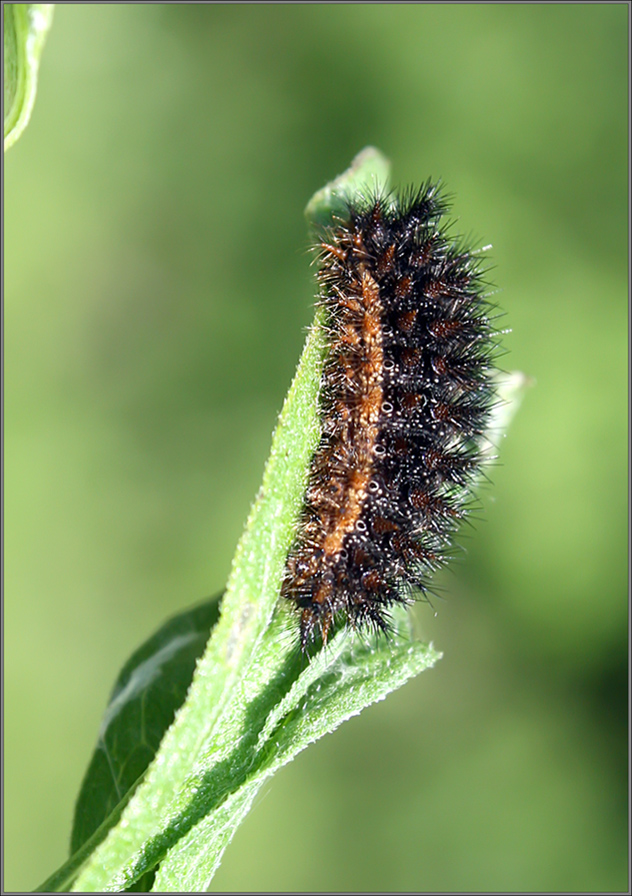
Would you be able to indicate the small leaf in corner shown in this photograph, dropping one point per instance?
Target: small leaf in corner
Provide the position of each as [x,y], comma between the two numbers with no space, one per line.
[25,28]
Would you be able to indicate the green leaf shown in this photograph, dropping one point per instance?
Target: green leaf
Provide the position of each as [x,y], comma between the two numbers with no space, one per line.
[151,686]
[255,701]
[251,662]
[25,28]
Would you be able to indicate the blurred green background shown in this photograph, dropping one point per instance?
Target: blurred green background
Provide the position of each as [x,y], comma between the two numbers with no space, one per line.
[157,291]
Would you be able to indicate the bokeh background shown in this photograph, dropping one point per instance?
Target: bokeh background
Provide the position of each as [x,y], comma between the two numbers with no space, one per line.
[157,291]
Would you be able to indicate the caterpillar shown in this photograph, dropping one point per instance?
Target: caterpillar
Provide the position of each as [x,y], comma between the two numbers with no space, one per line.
[406,395]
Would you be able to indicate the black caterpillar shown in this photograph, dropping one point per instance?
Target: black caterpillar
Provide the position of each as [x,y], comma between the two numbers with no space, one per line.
[406,394]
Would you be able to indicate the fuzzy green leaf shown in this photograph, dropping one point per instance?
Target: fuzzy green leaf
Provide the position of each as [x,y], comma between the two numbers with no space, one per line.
[251,662]
[25,28]
[255,701]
